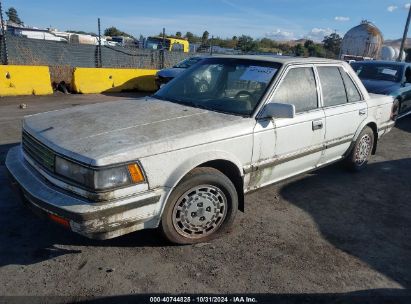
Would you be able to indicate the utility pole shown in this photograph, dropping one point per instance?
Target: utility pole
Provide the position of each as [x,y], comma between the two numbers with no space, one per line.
[162,55]
[404,37]
[100,64]
[4,56]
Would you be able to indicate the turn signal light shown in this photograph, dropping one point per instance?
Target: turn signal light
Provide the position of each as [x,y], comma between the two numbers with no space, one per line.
[59,220]
[135,173]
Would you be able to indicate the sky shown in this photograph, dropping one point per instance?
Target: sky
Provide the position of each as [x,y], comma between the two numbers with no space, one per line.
[277,19]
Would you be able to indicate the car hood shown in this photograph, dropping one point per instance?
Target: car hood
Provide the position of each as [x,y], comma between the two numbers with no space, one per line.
[380,86]
[119,131]
[170,73]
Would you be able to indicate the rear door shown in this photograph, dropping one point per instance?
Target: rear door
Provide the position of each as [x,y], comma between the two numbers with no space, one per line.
[344,108]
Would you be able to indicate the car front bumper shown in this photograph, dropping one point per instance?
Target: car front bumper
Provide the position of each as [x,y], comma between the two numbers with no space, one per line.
[102,220]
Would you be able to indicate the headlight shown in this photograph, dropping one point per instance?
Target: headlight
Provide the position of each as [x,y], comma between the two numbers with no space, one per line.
[99,179]
[74,172]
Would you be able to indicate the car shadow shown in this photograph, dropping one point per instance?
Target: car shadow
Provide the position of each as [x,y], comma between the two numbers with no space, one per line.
[373,223]
[27,239]
[137,86]
[3,151]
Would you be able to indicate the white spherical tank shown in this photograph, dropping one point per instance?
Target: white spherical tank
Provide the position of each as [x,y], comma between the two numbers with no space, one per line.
[388,53]
[363,40]
[397,52]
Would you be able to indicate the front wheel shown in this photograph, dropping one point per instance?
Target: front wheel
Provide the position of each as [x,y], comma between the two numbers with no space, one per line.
[203,205]
[360,154]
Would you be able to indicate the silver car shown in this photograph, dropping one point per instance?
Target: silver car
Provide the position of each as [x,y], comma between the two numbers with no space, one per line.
[183,159]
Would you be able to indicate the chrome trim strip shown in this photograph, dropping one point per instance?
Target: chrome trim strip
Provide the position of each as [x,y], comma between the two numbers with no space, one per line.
[292,156]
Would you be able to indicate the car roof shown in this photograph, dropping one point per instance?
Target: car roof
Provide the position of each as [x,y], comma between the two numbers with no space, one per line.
[280,59]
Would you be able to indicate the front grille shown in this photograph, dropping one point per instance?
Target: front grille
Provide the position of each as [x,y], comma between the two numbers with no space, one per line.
[38,152]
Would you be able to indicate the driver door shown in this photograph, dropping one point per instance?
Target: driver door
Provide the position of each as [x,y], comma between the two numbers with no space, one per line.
[289,146]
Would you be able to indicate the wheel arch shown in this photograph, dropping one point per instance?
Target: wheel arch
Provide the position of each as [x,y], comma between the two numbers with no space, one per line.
[230,170]
[374,128]
[224,162]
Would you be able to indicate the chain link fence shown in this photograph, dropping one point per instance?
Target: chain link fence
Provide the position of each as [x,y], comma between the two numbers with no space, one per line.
[26,51]
[63,57]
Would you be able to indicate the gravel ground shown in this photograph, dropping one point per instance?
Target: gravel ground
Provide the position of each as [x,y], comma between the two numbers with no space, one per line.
[327,232]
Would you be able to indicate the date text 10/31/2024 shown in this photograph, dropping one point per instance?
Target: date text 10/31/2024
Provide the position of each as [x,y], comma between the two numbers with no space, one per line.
[203,299]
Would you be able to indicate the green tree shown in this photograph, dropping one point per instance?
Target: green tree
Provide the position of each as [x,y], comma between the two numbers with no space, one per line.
[178,34]
[332,44]
[113,31]
[316,50]
[204,38]
[247,44]
[308,44]
[299,50]
[189,36]
[13,16]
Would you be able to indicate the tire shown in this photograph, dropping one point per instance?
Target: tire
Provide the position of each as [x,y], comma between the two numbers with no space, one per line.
[358,158]
[185,221]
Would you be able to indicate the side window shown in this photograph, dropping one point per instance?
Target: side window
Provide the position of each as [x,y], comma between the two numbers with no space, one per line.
[298,88]
[332,86]
[352,93]
[177,47]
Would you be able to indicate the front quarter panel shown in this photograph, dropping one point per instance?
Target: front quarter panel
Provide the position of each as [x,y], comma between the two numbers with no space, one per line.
[167,169]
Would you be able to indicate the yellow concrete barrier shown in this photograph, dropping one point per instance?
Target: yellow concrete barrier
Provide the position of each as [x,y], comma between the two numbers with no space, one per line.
[101,80]
[24,80]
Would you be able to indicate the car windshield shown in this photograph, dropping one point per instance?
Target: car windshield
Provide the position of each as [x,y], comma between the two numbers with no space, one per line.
[375,71]
[228,85]
[185,64]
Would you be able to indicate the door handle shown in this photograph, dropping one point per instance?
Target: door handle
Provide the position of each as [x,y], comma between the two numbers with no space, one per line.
[317,125]
[362,111]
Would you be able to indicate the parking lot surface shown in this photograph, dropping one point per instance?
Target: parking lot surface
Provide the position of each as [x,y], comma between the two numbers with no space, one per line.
[329,231]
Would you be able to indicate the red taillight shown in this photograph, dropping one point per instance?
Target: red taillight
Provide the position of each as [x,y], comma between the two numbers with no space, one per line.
[59,220]
[395,109]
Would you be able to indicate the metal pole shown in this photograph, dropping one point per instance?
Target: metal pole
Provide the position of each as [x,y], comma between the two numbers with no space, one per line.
[4,58]
[100,64]
[163,49]
[211,45]
[404,37]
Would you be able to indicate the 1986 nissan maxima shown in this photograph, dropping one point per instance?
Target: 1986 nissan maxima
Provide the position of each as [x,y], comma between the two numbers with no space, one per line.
[182,159]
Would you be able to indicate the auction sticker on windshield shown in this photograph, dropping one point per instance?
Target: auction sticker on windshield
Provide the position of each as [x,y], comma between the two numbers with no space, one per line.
[258,74]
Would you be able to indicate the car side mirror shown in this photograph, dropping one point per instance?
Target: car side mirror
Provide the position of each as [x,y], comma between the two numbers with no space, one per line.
[278,110]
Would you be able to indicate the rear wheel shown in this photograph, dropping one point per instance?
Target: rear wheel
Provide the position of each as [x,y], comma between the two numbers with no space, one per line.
[360,154]
[203,205]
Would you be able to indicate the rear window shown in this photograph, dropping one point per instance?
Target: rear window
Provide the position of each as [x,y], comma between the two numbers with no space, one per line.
[352,92]
[332,86]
